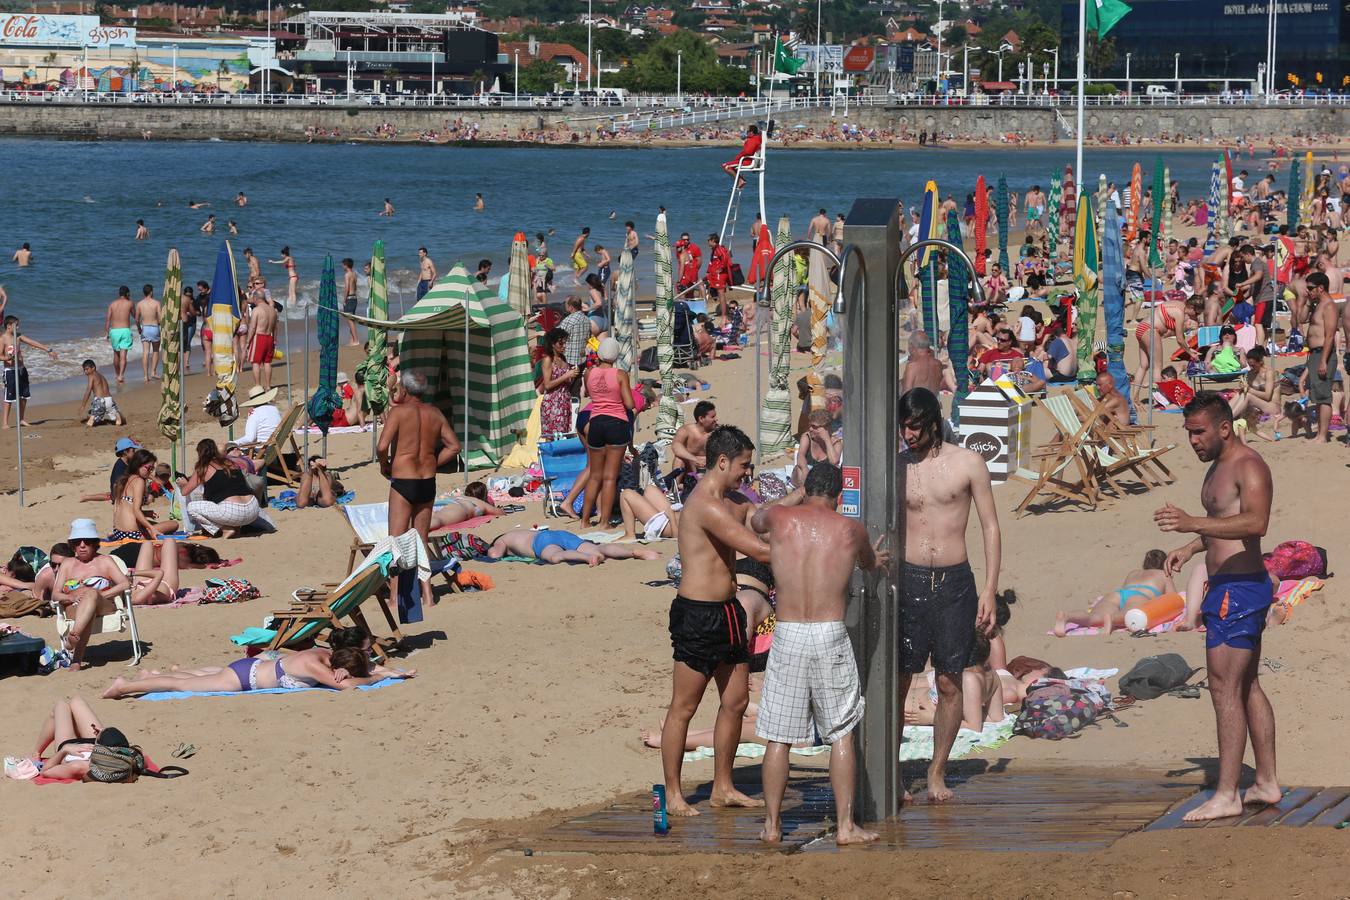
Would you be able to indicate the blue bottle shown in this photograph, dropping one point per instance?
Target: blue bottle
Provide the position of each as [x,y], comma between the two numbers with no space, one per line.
[660,824]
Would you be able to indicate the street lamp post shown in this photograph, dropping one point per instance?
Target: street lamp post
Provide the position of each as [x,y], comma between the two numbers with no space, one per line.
[679,77]
[1176,71]
[938,28]
[515,77]
[818,47]
[589,22]
[1128,92]
[1031,74]
[599,55]
[1045,76]
[267,63]
[965,69]
[1021,78]
[1056,52]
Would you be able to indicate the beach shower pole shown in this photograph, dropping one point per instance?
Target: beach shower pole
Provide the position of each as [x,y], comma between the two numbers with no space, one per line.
[18,407]
[305,418]
[1082,51]
[286,337]
[464,442]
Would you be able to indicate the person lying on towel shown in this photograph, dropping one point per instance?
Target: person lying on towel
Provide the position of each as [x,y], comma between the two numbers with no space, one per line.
[550,546]
[1139,587]
[341,669]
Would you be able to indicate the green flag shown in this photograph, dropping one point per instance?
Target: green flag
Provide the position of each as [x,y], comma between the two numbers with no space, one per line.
[1102,15]
[785,62]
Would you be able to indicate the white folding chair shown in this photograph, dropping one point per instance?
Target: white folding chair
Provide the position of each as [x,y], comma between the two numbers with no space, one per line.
[122,619]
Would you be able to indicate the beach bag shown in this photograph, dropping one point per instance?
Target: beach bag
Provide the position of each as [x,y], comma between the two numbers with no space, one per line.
[1055,711]
[229,590]
[116,761]
[1154,676]
[647,361]
[674,569]
[462,544]
[1293,560]
[737,276]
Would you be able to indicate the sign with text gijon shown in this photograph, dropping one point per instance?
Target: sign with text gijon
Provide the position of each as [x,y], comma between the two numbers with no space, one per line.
[30,29]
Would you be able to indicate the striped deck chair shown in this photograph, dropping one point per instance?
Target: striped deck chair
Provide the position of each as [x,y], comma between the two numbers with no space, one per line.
[1124,448]
[270,455]
[1067,468]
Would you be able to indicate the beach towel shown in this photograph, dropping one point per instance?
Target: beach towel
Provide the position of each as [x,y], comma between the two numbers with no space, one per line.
[340,429]
[184,695]
[1090,630]
[917,741]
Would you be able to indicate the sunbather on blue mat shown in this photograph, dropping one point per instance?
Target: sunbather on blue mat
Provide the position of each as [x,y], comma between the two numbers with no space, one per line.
[341,669]
[551,546]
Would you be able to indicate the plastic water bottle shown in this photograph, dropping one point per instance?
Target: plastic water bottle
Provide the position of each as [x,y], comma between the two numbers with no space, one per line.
[660,824]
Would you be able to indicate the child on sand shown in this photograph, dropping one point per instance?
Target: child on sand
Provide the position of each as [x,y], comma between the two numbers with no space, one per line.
[98,400]
[1138,588]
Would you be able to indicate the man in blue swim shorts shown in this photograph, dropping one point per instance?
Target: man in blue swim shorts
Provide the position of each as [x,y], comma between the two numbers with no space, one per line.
[1236,493]
[553,546]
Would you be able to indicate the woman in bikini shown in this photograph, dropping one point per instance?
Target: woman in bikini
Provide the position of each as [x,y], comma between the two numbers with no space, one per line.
[341,670]
[292,276]
[130,522]
[1171,317]
[1258,397]
[71,722]
[1140,586]
[652,508]
[151,583]
[473,504]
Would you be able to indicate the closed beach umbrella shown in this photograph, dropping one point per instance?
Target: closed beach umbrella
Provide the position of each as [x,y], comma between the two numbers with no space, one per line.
[171,341]
[518,280]
[1305,204]
[928,223]
[1069,205]
[1211,243]
[1085,269]
[1226,198]
[982,220]
[1159,186]
[1113,302]
[958,296]
[371,372]
[1001,199]
[668,411]
[1294,212]
[1102,194]
[775,432]
[1166,234]
[325,400]
[818,289]
[624,308]
[224,320]
[1052,204]
[1136,199]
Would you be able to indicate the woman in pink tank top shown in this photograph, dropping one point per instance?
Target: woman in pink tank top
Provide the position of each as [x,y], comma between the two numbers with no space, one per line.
[609,433]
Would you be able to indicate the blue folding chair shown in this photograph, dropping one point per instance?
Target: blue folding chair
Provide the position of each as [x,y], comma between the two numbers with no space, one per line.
[562,461]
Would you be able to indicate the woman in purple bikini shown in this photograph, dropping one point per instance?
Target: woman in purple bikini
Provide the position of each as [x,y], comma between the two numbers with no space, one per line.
[340,669]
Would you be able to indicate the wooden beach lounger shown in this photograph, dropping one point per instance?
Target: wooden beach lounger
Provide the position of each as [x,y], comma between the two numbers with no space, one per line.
[271,453]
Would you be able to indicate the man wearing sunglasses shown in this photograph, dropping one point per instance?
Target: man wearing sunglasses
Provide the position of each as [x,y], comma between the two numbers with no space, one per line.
[1003,354]
[88,582]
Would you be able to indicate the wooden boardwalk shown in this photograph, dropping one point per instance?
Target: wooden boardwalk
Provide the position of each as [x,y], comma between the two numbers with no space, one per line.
[1033,810]
[1300,807]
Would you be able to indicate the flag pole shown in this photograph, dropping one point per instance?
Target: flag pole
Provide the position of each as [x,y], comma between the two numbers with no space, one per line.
[1082,52]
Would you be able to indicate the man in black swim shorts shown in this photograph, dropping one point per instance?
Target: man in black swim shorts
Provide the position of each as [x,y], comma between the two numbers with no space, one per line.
[940,607]
[416,441]
[707,623]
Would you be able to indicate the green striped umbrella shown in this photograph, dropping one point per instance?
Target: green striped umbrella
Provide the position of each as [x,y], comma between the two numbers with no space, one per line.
[1294,210]
[1085,282]
[668,411]
[1052,214]
[1159,185]
[171,340]
[1167,208]
[624,314]
[325,400]
[518,276]
[371,371]
[776,414]
[472,349]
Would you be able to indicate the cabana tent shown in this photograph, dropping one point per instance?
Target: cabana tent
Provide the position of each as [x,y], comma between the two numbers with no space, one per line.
[458,333]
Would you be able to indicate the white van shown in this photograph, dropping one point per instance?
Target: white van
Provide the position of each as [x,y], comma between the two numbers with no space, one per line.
[1158,92]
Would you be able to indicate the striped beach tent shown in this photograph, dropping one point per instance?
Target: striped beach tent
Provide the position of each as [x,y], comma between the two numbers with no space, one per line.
[668,409]
[171,407]
[775,430]
[461,334]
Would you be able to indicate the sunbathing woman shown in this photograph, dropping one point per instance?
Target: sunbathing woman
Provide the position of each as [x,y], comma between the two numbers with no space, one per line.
[191,555]
[69,720]
[342,669]
[1140,586]
[651,507]
[153,584]
[473,504]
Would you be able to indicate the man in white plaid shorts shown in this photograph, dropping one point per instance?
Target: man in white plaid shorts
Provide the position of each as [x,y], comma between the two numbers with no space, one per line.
[812,679]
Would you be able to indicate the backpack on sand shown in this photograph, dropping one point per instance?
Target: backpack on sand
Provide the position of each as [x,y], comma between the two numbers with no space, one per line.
[1154,676]
[1054,711]
[114,761]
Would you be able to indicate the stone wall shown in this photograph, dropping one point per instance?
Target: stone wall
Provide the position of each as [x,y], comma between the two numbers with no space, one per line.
[288,123]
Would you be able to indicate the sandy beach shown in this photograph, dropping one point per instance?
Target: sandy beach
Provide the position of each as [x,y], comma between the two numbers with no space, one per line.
[530,697]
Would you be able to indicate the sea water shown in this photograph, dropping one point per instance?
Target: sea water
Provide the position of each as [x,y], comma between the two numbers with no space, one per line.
[77,202]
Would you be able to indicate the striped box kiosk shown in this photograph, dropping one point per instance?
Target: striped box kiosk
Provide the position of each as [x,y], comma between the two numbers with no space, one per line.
[996,423]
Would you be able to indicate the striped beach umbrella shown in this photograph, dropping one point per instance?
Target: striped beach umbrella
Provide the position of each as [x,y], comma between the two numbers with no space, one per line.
[1226,198]
[1001,200]
[325,400]
[1052,215]
[1136,199]
[1212,208]
[1155,259]
[1113,302]
[624,314]
[775,432]
[958,296]
[1069,205]
[1166,234]
[1085,269]
[518,276]
[171,342]
[668,411]
[1309,181]
[371,371]
[1102,195]
[928,219]
[224,320]
[928,222]
[1294,211]
[982,221]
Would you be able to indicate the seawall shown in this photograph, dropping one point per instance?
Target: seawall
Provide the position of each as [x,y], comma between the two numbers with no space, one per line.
[289,123]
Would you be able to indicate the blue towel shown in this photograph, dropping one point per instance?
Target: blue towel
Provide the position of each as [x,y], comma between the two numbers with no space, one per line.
[409,598]
[180,695]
